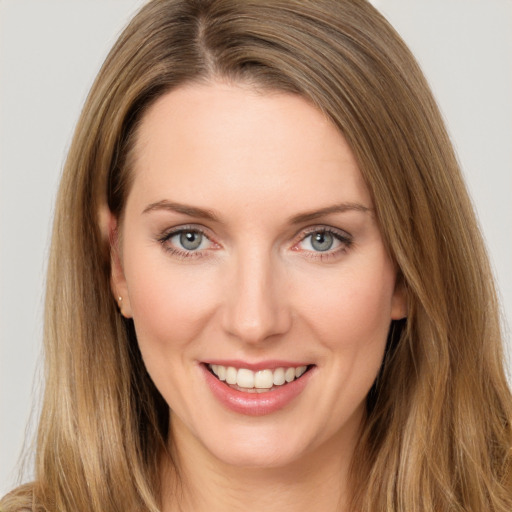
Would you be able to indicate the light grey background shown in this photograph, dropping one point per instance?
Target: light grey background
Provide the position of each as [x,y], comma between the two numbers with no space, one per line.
[50,51]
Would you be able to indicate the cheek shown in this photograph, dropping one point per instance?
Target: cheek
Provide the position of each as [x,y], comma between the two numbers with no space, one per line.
[352,311]
[170,307]
[170,303]
[350,317]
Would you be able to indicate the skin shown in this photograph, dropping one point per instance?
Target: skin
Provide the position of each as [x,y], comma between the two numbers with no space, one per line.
[257,289]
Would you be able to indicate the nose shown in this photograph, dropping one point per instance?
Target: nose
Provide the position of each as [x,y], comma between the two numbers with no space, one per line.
[257,306]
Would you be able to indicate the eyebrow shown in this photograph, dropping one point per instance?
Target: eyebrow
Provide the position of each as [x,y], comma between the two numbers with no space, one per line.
[337,208]
[202,213]
[191,211]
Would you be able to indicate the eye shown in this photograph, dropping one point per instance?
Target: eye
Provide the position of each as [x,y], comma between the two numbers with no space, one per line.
[186,242]
[324,240]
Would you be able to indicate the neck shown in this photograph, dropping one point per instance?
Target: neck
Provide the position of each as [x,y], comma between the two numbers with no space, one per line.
[196,481]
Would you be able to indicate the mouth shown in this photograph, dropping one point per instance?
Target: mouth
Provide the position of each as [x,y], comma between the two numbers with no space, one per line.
[260,381]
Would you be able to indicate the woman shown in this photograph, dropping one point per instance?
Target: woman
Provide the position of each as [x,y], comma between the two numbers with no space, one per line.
[267,288]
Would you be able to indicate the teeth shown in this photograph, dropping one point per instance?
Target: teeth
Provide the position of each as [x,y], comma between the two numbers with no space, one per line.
[245,378]
[289,374]
[299,371]
[231,374]
[279,379]
[262,379]
[221,372]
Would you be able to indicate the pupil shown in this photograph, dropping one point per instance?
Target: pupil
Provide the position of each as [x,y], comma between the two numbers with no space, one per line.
[190,240]
[322,241]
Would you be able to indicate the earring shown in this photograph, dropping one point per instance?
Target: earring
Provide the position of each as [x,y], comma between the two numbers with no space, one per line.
[120,304]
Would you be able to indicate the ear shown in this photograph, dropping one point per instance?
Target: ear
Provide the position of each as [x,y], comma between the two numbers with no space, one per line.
[117,278]
[399,302]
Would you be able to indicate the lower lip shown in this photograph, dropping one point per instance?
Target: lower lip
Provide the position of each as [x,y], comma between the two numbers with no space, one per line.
[255,404]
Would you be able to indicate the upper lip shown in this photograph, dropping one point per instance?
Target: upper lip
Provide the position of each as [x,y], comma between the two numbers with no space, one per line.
[259,365]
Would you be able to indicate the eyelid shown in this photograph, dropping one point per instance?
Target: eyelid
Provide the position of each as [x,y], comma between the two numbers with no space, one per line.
[322,228]
[164,237]
[168,232]
[345,239]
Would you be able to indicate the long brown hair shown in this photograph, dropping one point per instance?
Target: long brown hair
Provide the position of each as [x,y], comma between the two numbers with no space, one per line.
[438,433]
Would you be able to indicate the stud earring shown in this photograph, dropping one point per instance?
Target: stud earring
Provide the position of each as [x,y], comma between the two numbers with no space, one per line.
[120,304]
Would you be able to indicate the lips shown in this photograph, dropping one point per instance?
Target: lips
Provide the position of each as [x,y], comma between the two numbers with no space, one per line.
[253,391]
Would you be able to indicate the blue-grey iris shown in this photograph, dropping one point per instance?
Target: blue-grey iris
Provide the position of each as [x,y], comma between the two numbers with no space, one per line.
[322,241]
[191,240]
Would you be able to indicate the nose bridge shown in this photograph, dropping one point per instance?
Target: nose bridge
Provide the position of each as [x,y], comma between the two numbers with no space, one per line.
[256,306]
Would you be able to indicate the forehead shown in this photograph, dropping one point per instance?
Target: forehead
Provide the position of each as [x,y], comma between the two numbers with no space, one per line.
[211,141]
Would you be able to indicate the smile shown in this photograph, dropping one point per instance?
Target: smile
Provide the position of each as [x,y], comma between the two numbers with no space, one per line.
[246,380]
[261,389]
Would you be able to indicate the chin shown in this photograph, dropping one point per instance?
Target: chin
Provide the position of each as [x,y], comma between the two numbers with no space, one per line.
[258,457]
[259,448]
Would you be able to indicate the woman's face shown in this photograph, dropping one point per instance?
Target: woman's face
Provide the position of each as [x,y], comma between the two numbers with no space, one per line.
[249,249]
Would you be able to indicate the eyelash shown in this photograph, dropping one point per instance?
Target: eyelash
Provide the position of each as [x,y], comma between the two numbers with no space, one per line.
[342,237]
[182,253]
